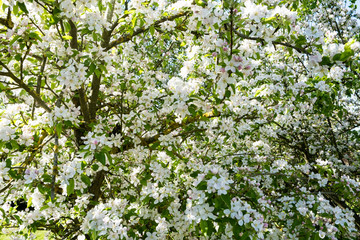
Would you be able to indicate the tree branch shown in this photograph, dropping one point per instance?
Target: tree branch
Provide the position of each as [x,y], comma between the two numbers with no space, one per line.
[299,49]
[7,22]
[38,84]
[95,188]
[83,104]
[128,37]
[73,34]
[95,86]
[25,87]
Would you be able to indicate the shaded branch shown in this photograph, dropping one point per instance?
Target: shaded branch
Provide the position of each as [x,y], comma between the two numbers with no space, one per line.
[95,86]
[83,104]
[73,34]
[95,188]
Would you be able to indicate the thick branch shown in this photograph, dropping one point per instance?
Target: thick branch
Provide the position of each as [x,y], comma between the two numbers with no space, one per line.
[95,86]
[95,188]
[7,22]
[73,34]
[106,35]
[83,104]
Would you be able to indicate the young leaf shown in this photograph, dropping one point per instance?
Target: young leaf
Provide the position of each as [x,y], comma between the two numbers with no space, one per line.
[70,187]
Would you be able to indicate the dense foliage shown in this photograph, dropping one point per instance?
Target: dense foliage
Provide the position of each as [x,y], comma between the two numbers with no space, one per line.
[163,119]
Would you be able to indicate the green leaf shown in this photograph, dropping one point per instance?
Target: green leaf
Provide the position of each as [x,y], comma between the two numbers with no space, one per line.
[100,156]
[101,6]
[207,227]
[95,167]
[202,186]
[203,226]
[86,179]
[14,40]
[245,235]
[55,17]
[8,163]
[346,54]
[155,145]
[269,20]
[58,128]
[226,199]
[152,30]
[13,174]
[133,22]
[336,57]
[95,36]
[92,68]
[34,35]
[18,219]
[340,114]
[18,57]
[192,109]
[300,41]
[198,25]
[14,144]
[70,187]
[22,7]
[200,3]
[44,207]
[16,10]
[325,61]
[29,203]
[103,68]
[67,37]
[227,93]
[42,189]
[258,92]
[97,72]
[108,156]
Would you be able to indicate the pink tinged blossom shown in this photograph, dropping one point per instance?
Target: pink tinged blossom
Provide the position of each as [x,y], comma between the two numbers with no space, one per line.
[238,59]
[214,54]
[231,65]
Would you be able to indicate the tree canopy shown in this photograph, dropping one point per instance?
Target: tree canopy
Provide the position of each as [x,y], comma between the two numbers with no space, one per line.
[190,119]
